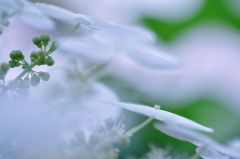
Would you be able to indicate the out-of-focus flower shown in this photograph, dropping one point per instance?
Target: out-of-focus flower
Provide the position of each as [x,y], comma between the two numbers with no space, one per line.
[164,116]
[102,144]
[234,144]
[135,41]
[207,148]
[44,122]
[157,153]
[209,58]
[27,12]
[160,153]
[53,112]
[79,98]
[64,15]
[130,11]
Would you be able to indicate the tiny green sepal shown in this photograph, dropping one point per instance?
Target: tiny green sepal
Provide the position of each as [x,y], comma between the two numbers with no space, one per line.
[45,39]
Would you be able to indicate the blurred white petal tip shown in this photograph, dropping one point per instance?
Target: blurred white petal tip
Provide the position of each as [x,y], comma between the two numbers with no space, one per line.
[63,14]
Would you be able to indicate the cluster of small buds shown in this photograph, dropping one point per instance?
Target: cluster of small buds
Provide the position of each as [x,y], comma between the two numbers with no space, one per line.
[43,57]
[17,59]
[29,77]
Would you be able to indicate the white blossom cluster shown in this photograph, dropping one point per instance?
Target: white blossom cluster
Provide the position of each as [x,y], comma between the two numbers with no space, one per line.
[69,118]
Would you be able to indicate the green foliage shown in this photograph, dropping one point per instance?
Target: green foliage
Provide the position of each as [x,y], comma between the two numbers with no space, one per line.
[212,11]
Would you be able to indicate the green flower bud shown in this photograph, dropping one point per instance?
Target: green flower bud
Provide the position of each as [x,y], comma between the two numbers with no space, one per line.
[49,61]
[13,63]
[13,55]
[35,80]
[34,56]
[17,55]
[36,40]
[41,58]
[45,39]
[5,67]
[44,76]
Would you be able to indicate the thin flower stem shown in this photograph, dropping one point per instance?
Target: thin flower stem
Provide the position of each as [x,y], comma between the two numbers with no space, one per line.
[21,75]
[197,155]
[134,130]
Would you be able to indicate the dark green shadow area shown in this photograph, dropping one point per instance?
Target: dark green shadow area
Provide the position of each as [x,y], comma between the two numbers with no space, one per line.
[213,11]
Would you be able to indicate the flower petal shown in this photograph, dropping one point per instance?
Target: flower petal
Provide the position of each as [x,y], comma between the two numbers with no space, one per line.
[152,57]
[197,139]
[33,16]
[63,14]
[164,116]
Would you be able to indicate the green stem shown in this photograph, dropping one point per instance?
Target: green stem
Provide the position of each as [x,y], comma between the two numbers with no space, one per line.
[21,75]
[132,131]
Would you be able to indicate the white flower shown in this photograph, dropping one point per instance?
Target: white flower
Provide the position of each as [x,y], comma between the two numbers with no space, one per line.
[210,149]
[99,145]
[27,12]
[64,15]
[131,11]
[111,38]
[157,153]
[37,127]
[164,116]
[235,144]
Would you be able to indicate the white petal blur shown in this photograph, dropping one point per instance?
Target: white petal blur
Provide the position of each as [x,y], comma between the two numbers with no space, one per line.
[48,119]
[63,14]
[210,148]
[113,36]
[209,57]
[164,116]
[27,12]
[126,11]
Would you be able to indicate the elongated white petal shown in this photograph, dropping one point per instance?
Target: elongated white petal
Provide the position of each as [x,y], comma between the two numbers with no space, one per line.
[210,153]
[63,14]
[135,33]
[152,57]
[164,116]
[196,138]
[87,49]
[33,16]
[121,36]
